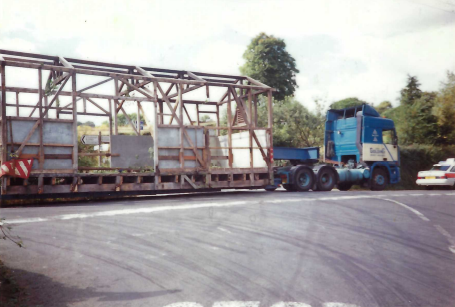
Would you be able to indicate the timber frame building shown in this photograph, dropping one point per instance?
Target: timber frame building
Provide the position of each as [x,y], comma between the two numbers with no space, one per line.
[188,155]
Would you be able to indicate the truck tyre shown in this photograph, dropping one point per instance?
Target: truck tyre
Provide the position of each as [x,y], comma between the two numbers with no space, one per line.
[303,179]
[344,186]
[288,187]
[326,179]
[378,181]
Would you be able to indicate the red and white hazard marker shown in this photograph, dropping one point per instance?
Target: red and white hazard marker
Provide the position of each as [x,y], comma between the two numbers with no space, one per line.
[17,168]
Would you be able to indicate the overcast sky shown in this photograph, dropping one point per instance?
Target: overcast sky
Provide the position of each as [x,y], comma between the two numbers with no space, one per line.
[351,48]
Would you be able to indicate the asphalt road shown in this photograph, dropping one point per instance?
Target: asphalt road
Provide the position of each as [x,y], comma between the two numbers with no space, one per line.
[240,249]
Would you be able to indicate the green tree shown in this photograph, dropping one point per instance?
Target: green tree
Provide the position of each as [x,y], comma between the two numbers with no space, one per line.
[416,123]
[204,119]
[268,62]
[122,121]
[411,92]
[294,125]
[383,107]
[347,103]
[445,109]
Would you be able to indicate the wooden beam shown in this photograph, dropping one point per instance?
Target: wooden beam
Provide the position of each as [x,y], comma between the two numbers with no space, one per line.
[74,97]
[191,75]
[98,106]
[246,118]
[94,85]
[53,98]
[178,120]
[129,120]
[257,82]
[65,63]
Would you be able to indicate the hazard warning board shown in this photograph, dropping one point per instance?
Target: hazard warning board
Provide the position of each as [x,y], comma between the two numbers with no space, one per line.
[17,168]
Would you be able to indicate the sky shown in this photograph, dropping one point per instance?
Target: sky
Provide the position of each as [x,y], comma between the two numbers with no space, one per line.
[351,48]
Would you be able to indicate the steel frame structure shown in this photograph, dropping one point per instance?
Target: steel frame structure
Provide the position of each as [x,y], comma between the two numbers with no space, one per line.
[168,95]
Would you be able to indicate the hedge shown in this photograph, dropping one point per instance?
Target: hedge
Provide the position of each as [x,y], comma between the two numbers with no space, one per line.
[417,158]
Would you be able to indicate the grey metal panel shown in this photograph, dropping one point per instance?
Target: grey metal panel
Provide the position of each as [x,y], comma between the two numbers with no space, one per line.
[53,133]
[135,151]
[170,137]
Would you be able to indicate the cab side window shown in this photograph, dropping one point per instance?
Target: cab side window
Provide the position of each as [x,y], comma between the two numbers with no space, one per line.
[452,170]
[389,137]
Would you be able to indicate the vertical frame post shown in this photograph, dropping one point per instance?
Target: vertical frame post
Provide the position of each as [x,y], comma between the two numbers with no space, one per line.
[41,122]
[115,107]
[270,132]
[229,122]
[156,150]
[180,114]
[4,135]
[74,98]
[110,132]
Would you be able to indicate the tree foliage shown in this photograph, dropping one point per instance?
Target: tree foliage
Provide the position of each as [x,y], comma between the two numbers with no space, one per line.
[444,109]
[411,92]
[416,123]
[347,103]
[294,125]
[384,106]
[268,62]
[122,121]
[204,119]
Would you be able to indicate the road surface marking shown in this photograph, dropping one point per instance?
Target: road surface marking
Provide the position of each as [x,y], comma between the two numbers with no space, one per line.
[225,230]
[256,304]
[237,304]
[338,305]
[290,304]
[184,304]
[125,211]
[208,205]
[423,217]
[448,236]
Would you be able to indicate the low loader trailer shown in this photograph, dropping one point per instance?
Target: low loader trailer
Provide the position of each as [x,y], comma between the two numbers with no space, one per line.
[47,152]
[360,148]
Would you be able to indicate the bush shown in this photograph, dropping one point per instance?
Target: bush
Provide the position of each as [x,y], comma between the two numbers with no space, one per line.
[415,158]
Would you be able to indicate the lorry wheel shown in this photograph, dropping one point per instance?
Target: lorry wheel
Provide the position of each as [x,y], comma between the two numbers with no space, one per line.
[344,186]
[288,187]
[378,181]
[429,187]
[326,179]
[303,179]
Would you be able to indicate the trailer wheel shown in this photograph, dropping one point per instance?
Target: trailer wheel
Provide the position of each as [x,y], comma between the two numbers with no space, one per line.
[344,186]
[326,179]
[303,179]
[288,187]
[378,181]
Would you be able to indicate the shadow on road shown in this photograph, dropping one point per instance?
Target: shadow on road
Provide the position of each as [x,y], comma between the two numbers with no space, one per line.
[40,290]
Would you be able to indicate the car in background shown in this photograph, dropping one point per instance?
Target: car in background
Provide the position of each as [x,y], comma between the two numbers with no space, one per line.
[441,174]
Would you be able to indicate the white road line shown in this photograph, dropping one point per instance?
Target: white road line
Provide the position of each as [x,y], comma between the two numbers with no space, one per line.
[225,230]
[184,304]
[207,205]
[256,304]
[236,304]
[448,236]
[124,212]
[338,305]
[290,304]
[423,217]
